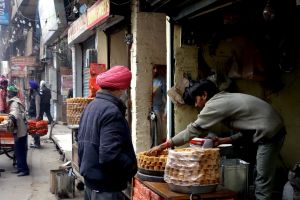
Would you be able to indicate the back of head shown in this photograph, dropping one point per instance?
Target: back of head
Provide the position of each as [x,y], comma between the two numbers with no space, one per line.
[12,91]
[3,81]
[42,83]
[116,78]
[33,84]
[198,89]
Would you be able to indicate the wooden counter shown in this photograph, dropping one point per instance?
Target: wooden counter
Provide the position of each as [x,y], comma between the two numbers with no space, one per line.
[164,191]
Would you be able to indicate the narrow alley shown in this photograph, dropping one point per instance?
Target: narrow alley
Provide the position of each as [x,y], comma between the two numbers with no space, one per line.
[36,186]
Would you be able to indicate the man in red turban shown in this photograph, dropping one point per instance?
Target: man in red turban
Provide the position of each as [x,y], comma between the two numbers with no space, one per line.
[105,150]
[116,78]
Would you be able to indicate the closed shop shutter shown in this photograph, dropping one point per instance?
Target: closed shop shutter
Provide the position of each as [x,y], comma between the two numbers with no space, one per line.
[86,78]
[88,44]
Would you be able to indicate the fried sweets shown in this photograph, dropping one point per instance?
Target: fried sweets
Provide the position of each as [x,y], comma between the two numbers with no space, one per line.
[193,166]
[153,163]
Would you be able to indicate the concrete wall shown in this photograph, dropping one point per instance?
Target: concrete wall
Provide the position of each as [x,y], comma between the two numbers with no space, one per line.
[185,62]
[102,47]
[118,49]
[148,48]
[285,101]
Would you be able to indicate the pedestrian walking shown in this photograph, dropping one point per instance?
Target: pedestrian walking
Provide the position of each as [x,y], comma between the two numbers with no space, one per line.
[3,94]
[45,94]
[17,118]
[106,154]
[34,109]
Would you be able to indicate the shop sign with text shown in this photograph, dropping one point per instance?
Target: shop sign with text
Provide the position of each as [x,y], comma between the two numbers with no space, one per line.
[29,61]
[18,71]
[77,28]
[98,13]
[4,12]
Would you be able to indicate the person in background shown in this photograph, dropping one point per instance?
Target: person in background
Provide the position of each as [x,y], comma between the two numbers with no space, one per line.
[70,93]
[244,113]
[34,109]
[3,94]
[107,159]
[45,101]
[159,99]
[17,118]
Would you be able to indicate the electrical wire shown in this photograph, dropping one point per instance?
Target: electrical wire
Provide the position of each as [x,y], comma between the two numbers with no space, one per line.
[120,4]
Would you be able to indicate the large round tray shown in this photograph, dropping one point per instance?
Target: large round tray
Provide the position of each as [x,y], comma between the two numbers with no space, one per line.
[193,189]
[151,172]
[151,178]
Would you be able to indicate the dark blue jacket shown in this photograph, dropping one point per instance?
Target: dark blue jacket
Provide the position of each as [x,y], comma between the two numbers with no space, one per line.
[107,159]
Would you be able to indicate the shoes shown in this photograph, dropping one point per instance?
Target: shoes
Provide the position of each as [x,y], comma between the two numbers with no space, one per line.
[35,146]
[15,172]
[23,174]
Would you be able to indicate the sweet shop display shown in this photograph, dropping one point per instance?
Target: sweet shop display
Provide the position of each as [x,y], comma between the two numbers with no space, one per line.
[75,107]
[37,127]
[193,166]
[153,163]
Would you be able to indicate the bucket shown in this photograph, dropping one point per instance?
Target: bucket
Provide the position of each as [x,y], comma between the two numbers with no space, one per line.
[62,183]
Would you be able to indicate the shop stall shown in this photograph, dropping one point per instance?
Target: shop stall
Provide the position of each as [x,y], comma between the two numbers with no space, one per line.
[189,173]
[75,107]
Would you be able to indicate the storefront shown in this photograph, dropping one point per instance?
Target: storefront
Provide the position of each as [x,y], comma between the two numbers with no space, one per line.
[20,71]
[235,41]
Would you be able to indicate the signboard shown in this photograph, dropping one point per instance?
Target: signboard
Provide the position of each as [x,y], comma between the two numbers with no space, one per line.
[18,71]
[4,12]
[98,13]
[77,28]
[29,61]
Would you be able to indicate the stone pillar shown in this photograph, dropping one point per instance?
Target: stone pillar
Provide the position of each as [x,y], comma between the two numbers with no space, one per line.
[77,70]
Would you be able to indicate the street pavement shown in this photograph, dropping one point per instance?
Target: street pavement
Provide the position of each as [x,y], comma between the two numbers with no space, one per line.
[36,186]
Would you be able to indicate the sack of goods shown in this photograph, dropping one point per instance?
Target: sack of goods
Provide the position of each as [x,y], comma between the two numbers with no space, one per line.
[75,107]
[37,127]
[193,167]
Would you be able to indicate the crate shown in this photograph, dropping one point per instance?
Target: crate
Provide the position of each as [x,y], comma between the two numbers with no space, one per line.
[235,176]
[6,139]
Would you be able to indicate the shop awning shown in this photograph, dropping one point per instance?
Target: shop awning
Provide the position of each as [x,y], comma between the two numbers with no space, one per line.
[179,10]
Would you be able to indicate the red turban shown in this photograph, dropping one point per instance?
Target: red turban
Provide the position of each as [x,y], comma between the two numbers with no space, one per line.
[117,77]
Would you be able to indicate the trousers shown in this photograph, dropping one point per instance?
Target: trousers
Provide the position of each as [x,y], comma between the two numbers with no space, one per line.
[21,154]
[266,158]
[96,195]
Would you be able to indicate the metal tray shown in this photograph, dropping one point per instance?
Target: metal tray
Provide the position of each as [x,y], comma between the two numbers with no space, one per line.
[151,172]
[197,189]
[151,178]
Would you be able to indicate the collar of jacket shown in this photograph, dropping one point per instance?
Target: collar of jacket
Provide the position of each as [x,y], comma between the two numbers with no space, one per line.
[104,94]
[16,99]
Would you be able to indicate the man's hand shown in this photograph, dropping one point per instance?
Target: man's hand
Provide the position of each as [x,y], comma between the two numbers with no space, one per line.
[154,151]
[158,149]
[217,141]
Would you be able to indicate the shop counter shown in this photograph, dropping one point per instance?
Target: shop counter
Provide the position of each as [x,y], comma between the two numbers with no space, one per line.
[163,190]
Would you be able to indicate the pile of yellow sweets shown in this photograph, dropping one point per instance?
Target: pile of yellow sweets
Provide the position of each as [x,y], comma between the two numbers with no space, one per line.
[75,107]
[153,163]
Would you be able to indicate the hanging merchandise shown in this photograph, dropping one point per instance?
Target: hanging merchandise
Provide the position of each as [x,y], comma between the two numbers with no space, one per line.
[95,69]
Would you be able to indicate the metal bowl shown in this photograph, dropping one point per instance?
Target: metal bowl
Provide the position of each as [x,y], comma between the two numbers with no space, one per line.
[194,189]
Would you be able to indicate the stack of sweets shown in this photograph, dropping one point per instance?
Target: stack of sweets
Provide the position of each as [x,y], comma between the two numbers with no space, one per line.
[37,127]
[193,167]
[75,107]
[153,163]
